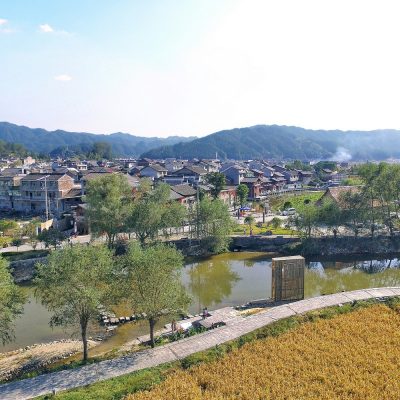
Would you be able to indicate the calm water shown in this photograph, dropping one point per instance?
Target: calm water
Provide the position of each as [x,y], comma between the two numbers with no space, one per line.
[225,280]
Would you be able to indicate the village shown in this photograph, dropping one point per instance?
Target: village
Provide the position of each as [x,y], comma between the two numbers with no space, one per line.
[55,190]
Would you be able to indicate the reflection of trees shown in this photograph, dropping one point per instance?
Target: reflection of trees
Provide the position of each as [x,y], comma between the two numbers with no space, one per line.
[249,263]
[351,276]
[211,282]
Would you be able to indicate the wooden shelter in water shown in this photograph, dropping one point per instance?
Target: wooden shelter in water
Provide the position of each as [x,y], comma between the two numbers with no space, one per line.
[288,278]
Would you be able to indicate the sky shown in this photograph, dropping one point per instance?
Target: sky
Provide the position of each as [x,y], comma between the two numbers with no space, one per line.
[194,67]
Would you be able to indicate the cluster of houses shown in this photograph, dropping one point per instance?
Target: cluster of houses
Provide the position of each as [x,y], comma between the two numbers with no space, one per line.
[50,189]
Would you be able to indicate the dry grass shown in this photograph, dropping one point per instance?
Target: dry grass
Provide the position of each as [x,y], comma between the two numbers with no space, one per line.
[352,356]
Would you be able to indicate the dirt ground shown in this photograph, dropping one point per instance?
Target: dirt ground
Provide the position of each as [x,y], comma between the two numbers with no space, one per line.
[16,362]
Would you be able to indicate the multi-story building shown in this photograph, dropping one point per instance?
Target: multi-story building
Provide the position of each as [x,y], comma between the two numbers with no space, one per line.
[9,191]
[38,189]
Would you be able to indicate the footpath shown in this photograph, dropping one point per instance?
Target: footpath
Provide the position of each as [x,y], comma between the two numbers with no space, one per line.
[69,379]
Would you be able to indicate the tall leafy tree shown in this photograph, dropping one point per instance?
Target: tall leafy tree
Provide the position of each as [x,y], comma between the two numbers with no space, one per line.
[307,220]
[331,215]
[151,277]
[353,209]
[11,302]
[213,224]
[109,201]
[387,189]
[51,237]
[153,211]
[217,182]
[370,173]
[74,282]
[242,192]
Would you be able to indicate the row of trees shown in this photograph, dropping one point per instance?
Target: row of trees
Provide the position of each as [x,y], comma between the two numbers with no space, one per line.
[113,209]
[375,203]
[76,281]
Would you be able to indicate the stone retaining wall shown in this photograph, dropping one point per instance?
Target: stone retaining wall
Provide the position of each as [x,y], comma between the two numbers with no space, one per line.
[24,270]
[347,246]
[274,244]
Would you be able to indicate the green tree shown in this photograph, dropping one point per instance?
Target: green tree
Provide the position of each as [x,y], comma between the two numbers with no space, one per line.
[51,237]
[370,173]
[249,220]
[31,231]
[152,276]
[387,190]
[287,205]
[8,227]
[352,204]
[153,211]
[276,222]
[17,242]
[109,200]
[217,182]
[242,192]
[213,224]
[11,302]
[74,282]
[307,220]
[331,215]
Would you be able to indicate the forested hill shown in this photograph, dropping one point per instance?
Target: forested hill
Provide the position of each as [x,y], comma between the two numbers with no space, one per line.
[42,141]
[287,142]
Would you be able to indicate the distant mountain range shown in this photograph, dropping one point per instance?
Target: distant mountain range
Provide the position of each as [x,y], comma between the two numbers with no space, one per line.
[287,142]
[43,141]
[260,141]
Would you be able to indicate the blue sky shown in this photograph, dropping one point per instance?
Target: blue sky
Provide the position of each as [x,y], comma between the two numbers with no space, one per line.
[186,67]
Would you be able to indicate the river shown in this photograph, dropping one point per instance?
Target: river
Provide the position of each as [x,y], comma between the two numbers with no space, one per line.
[223,280]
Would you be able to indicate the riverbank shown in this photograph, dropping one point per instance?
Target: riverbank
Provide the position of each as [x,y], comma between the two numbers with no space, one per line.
[379,246]
[16,363]
[180,350]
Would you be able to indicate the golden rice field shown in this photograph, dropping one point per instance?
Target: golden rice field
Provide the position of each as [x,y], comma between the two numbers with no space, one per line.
[352,356]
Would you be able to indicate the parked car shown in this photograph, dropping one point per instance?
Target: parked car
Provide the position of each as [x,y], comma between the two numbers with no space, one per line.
[289,211]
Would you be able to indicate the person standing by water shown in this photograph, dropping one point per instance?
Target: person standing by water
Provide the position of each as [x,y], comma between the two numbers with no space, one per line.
[173,326]
[205,312]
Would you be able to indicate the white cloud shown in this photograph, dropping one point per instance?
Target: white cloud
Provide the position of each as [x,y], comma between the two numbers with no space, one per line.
[63,78]
[3,26]
[46,28]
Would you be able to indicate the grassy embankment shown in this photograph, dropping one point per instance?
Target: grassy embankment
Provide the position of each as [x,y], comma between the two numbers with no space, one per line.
[261,230]
[298,200]
[347,352]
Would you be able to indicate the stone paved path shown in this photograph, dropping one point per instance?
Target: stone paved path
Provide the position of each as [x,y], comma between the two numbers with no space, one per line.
[86,375]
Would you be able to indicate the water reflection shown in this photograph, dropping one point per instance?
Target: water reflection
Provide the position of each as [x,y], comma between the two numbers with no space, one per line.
[210,282]
[325,277]
[227,280]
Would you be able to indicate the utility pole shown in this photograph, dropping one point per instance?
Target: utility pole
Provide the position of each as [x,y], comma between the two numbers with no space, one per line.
[45,195]
[197,211]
